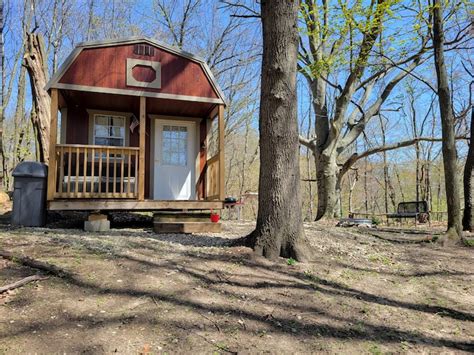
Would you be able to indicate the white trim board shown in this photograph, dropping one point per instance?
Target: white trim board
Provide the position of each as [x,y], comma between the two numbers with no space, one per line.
[150,94]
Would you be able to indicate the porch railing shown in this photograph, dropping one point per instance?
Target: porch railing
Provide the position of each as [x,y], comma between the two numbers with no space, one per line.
[92,171]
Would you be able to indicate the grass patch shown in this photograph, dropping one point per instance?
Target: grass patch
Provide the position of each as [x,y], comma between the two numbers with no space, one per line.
[382,259]
[291,261]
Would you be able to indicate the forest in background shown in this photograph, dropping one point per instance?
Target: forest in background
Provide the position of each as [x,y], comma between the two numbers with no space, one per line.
[228,36]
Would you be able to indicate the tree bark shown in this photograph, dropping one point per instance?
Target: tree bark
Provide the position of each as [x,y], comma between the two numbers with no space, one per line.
[467,181]
[454,231]
[36,64]
[279,230]
[327,177]
[2,94]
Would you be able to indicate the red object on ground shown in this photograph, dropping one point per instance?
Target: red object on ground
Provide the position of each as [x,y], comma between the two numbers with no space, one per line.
[215,218]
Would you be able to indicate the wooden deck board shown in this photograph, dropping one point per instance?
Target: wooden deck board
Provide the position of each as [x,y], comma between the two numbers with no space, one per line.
[132,205]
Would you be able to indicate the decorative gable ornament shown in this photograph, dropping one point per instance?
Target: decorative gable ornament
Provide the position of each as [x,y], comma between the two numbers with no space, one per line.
[132,80]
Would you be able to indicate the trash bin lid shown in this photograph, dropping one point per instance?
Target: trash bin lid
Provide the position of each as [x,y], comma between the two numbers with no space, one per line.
[31,169]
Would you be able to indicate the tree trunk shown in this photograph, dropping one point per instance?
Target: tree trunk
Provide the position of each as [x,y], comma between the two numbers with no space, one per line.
[2,94]
[35,62]
[447,125]
[327,176]
[467,180]
[279,230]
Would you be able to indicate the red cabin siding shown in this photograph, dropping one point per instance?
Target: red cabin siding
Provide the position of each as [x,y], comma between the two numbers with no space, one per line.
[106,67]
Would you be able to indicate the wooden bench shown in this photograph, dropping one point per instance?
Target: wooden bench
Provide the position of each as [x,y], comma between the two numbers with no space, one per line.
[418,210]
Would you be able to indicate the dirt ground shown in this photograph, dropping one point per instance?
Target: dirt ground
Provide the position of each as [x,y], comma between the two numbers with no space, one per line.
[132,291]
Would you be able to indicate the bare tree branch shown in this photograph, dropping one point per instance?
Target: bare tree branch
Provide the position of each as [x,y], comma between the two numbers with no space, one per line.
[357,156]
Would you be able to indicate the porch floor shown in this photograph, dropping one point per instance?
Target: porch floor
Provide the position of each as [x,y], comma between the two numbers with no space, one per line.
[131,205]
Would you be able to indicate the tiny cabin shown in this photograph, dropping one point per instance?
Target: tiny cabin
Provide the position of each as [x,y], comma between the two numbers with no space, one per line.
[135,125]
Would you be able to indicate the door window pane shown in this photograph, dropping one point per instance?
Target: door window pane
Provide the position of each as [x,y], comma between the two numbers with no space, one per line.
[174,145]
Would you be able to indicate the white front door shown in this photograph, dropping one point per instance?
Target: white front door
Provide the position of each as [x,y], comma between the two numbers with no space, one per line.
[175,159]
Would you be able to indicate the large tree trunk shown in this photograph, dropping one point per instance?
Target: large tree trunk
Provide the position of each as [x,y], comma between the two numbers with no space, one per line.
[279,230]
[468,185]
[36,64]
[447,125]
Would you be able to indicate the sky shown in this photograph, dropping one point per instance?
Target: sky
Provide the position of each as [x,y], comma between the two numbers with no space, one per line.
[118,19]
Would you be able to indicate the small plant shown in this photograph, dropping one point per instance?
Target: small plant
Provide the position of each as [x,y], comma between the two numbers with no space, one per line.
[291,261]
[469,242]
[380,259]
[376,221]
[375,350]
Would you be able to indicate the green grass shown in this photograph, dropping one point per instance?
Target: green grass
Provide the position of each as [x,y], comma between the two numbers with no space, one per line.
[291,261]
[375,258]
[469,242]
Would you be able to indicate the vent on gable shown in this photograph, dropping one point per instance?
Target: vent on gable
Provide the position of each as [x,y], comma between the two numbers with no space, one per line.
[144,49]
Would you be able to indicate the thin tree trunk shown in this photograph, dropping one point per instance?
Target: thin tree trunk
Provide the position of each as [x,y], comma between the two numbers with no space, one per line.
[352,185]
[244,160]
[2,93]
[19,115]
[467,181]
[35,62]
[454,231]
[90,21]
[385,169]
[279,230]
[327,175]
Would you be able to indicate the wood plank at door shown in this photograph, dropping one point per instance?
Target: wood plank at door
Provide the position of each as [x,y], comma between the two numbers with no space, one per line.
[53,133]
[141,163]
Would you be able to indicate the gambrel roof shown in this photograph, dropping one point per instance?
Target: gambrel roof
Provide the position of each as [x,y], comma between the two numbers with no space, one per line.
[106,67]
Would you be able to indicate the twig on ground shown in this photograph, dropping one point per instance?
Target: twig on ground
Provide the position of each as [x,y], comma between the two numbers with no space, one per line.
[210,320]
[22,282]
[35,264]
[218,346]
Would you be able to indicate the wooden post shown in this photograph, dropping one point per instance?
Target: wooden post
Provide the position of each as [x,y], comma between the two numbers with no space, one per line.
[221,153]
[141,162]
[53,133]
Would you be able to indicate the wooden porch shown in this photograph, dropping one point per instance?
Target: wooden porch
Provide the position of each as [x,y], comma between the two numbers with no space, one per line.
[96,177]
[131,205]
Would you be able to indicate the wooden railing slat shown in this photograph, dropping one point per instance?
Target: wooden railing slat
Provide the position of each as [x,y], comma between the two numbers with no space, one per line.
[114,189]
[92,170]
[135,187]
[100,170]
[77,171]
[129,170]
[61,170]
[122,167]
[69,160]
[107,154]
[84,172]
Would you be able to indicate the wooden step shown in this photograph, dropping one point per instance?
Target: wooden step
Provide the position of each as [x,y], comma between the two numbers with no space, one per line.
[172,217]
[187,227]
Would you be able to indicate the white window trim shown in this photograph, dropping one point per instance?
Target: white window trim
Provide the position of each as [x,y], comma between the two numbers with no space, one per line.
[94,113]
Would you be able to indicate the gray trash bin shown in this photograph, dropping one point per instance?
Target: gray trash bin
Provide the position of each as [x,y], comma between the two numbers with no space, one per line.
[29,194]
